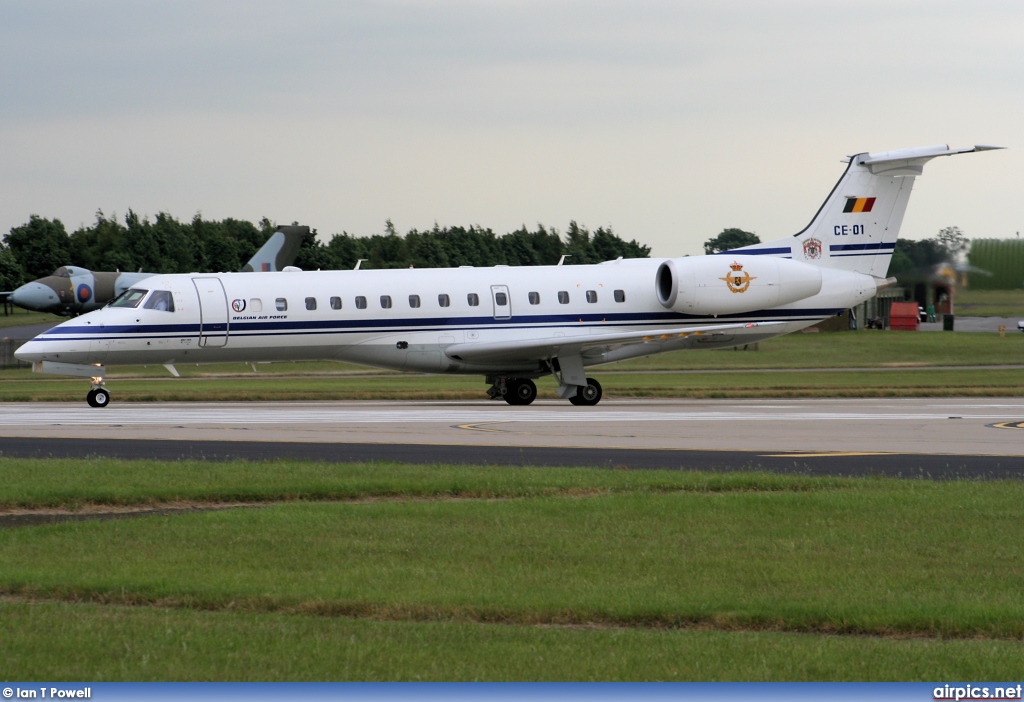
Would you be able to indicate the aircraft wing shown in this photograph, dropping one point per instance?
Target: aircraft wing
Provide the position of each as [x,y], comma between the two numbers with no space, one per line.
[583,344]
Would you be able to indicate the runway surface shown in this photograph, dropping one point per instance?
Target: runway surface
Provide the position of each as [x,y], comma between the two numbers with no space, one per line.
[940,437]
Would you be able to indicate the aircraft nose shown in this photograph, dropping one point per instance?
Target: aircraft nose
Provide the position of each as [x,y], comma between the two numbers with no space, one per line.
[35,296]
[30,352]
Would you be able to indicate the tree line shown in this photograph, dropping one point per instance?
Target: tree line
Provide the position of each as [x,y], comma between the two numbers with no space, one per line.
[167,245]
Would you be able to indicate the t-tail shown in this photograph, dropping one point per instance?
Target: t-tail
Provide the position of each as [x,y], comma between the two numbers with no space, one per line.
[856,227]
[280,250]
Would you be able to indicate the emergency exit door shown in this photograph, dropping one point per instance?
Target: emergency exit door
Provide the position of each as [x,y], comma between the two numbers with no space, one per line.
[502,302]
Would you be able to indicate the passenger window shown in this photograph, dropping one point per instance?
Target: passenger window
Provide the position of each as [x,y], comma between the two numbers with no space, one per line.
[414,301]
[591,296]
[534,298]
[335,303]
[310,303]
[500,299]
[360,302]
[161,300]
[443,300]
[385,302]
[473,299]
[563,297]
[255,305]
[620,295]
[282,304]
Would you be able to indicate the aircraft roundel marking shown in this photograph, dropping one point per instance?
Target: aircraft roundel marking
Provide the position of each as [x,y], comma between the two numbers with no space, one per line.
[84,292]
[238,305]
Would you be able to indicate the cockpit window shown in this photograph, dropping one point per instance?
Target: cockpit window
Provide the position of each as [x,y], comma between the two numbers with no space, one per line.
[62,272]
[129,298]
[161,300]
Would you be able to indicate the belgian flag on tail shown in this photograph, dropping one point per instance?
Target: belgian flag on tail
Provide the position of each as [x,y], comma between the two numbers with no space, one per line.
[859,204]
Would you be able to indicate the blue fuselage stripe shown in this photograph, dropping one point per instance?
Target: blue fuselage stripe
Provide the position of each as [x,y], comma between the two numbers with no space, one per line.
[438,324]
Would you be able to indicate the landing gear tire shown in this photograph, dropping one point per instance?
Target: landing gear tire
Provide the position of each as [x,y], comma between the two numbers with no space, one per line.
[98,397]
[588,395]
[521,391]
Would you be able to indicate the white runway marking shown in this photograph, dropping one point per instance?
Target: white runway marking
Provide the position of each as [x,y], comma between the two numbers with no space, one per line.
[276,414]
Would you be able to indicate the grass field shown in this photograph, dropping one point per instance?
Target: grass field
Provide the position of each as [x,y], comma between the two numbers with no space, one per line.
[391,572]
[990,303]
[916,382]
[912,355]
[19,317]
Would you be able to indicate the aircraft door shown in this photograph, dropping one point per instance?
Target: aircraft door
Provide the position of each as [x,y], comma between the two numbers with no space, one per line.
[502,302]
[213,312]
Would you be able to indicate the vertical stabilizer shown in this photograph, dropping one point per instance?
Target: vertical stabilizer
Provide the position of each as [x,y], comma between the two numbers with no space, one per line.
[280,250]
[857,226]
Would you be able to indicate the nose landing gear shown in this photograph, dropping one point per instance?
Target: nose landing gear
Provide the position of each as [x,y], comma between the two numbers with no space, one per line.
[98,396]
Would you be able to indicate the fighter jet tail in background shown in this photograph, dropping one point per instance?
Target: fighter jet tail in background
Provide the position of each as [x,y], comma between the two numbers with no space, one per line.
[280,250]
[73,290]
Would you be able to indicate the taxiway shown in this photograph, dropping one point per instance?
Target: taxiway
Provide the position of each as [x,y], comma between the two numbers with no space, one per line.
[937,436]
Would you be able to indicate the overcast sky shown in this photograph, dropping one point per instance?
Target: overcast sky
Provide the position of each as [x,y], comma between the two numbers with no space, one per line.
[667,121]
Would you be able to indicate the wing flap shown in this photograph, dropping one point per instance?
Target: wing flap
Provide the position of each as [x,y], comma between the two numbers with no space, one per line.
[550,347]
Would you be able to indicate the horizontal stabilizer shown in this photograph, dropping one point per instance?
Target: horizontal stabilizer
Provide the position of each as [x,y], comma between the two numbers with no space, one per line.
[911,161]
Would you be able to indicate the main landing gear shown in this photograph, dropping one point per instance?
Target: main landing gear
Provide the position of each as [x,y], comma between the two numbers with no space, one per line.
[520,391]
[515,391]
[523,391]
[587,395]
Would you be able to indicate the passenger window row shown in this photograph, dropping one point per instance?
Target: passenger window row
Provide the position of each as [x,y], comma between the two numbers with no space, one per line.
[443,300]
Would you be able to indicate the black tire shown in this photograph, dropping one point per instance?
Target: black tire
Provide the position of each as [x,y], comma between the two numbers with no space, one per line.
[98,397]
[588,395]
[520,391]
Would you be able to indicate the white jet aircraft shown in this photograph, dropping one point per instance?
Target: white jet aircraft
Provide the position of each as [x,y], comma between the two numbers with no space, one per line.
[509,324]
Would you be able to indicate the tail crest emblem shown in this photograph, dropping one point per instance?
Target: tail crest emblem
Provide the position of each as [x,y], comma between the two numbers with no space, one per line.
[812,248]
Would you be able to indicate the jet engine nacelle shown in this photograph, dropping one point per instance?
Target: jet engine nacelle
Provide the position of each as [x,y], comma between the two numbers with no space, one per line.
[733,284]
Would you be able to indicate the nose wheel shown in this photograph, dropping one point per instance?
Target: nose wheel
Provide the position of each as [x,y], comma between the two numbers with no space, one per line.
[98,397]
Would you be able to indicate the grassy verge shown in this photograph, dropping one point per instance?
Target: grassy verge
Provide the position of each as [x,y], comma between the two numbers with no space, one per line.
[990,303]
[600,547]
[869,349]
[393,572]
[912,354]
[137,644]
[66,483]
[20,317]
[912,382]
[846,562]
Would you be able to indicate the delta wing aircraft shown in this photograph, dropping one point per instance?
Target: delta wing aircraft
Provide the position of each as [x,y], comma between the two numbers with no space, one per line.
[511,325]
[72,290]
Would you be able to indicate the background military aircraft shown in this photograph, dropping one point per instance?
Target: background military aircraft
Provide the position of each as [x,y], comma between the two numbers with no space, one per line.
[73,290]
